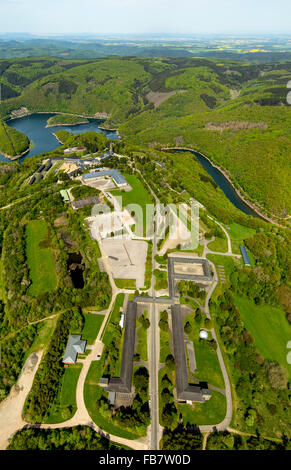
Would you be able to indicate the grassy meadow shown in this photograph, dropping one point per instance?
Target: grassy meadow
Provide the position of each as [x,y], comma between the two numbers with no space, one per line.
[40,258]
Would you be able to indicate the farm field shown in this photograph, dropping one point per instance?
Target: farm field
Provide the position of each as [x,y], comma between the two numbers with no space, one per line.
[40,258]
[270,329]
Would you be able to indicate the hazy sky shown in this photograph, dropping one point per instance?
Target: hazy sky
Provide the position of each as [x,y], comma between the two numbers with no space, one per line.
[145,16]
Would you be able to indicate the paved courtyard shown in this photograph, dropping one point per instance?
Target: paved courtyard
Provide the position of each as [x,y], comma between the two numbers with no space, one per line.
[126,258]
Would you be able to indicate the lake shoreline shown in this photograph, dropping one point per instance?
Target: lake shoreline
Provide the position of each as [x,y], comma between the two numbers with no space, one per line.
[12,158]
[97,116]
[67,124]
[93,123]
[251,205]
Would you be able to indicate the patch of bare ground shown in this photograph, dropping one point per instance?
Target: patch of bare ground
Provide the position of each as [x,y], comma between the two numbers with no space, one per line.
[235,126]
[62,220]
[158,98]
[234,94]
[21,112]
[179,140]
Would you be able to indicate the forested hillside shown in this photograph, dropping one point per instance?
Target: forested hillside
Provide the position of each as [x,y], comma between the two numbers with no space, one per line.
[234,112]
[12,142]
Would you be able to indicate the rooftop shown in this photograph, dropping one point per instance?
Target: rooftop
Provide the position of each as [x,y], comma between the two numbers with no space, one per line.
[185,391]
[114,174]
[245,255]
[124,382]
[64,194]
[189,269]
[74,346]
[84,202]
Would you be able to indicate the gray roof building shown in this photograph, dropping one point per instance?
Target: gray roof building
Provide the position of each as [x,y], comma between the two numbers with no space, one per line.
[48,165]
[114,174]
[74,346]
[206,277]
[84,202]
[39,178]
[185,391]
[32,180]
[40,169]
[124,382]
[103,381]
[245,255]
[111,397]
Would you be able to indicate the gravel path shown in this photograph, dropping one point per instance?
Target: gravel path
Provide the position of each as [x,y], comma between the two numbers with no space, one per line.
[11,408]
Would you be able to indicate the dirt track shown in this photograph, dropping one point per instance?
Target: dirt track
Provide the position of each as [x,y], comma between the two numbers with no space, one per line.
[11,408]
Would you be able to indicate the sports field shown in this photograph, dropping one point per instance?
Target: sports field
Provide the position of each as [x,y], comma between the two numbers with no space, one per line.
[40,259]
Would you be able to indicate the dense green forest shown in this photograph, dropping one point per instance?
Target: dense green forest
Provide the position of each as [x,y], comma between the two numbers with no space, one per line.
[12,142]
[235,113]
[227,441]
[77,438]
[48,377]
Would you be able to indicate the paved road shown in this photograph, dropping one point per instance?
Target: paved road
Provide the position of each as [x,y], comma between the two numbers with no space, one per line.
[154,359]
[226,421]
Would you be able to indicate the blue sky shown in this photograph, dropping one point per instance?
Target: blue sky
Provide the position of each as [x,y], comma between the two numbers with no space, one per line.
[145,16]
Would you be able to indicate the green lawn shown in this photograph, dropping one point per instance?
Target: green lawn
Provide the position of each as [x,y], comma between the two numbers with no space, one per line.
[44,332]
[161,279]
[40,258]
[269,327]
[138,195]
[238,233]
[208,368]
[141,348]
[211,412]
[125,283]
[113,318]
[228,263]
[66,399]
[165,349]
[219,245]
[92,392]
[92,326]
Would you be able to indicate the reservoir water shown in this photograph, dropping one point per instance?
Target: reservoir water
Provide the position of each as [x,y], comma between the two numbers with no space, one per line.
[223,183]
[34,126]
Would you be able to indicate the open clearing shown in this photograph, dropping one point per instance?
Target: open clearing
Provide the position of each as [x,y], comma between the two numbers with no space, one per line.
[238,233]
[158,98]
[189,268]
[269,327]
[40,259]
